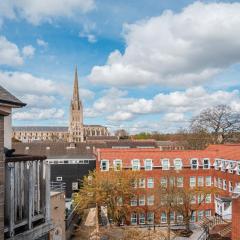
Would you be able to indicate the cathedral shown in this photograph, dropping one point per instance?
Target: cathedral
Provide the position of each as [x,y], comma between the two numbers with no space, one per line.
[77,131]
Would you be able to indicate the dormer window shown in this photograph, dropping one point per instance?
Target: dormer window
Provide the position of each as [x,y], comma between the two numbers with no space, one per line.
[148,164]
[206,163]
[230,166]
[224,166]
[104,165]
[238,168]
[194,163]
[135,164]
[165,164]
[117,164]
[178,164]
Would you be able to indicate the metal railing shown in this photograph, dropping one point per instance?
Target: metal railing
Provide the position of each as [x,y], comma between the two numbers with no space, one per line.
[57,186]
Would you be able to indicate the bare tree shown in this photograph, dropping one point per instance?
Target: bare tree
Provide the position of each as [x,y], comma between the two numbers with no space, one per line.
[221,121]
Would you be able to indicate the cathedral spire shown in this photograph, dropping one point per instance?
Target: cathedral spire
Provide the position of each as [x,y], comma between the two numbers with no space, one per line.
[75,88]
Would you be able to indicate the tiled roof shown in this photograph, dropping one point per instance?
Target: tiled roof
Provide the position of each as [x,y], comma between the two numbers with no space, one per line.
[41,128]
[7,98]
[156,155]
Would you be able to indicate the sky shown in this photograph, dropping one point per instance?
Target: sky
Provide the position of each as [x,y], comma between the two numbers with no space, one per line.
[143,65]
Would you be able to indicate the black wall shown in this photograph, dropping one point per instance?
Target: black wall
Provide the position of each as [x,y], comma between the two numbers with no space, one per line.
[71,173]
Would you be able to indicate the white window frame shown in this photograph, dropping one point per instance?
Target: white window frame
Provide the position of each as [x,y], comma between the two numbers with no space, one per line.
[141,200]
[180,183]
[146,166]
[163,217]
[134,217]
[194,199]
[107,165]
[58,179]
[191,182]
[142,218]
[178,163]
[142,183]
[200,181]
[208,213]
[116,163]
[150,217]
[150,182]
[192,165]
[136,165]
[150,200]
[224,183]
[208,165]
[208,198]
[163,182]
[165,164]
[193,217]
[134,201]
[208,181]
[230,186]
[200,215]
[179,218]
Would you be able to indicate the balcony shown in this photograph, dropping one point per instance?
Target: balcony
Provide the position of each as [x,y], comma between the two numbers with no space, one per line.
[27,197]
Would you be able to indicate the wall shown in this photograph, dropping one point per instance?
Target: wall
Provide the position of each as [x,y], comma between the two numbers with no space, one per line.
[8,131]
[58,216]
[236,218]
[1,177]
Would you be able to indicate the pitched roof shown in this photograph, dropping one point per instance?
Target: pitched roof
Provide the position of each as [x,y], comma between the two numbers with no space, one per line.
[7,98]
[41,128]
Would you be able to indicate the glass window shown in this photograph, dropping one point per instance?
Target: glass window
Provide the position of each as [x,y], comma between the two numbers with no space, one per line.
[165,164]
[178,164]
[179,218]
[163,217]
[200,181]
[193,199]
[200,215]
[150,218]
[104,165]
[194,164]
[192,181]
[172,181]
[119,201]
[208,181]
[172,217]
[208,198]
[193,217]
[141,218]
[208,213]
[117,164]
[206,163]
[141,200]
[133,218]
[134,201]
[224,184]
[150,182]
[200,198]
[148,164]
[179,181]
[219,183]
[230,186]
[163,182]
[135,164]
[142,182]
[150,200]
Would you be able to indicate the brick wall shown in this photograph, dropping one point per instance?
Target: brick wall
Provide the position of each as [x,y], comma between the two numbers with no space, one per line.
[1,178]
[236,219]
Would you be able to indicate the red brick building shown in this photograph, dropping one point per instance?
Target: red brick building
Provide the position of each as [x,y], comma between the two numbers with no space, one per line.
[217,167]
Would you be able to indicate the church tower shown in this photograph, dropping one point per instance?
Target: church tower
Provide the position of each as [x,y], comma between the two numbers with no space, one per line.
[76,114]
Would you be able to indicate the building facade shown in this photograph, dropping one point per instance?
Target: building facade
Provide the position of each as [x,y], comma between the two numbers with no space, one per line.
[216,168]
[77,131]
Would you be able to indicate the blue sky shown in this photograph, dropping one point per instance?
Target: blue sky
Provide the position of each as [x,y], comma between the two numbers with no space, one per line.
[143,65]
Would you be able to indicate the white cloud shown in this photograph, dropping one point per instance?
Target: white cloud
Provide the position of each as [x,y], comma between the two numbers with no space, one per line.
[28,51]
[39,11]
[176,49]
[36,101]
[39,114]
[42,43]
[9,53]
[88,28]
[120,116]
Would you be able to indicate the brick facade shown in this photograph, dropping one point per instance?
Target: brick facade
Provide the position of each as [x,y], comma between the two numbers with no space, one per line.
[2,167]
[236,219]
[220,178]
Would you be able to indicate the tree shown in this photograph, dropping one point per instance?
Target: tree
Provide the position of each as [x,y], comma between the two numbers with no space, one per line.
[122,134]
[220,121]
[112,189]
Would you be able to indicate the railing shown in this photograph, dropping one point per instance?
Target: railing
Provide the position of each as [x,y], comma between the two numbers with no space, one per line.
[205,234]
[27,193]
[57,186]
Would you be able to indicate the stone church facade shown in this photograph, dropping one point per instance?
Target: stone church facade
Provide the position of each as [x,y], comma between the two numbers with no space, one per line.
[77,131]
